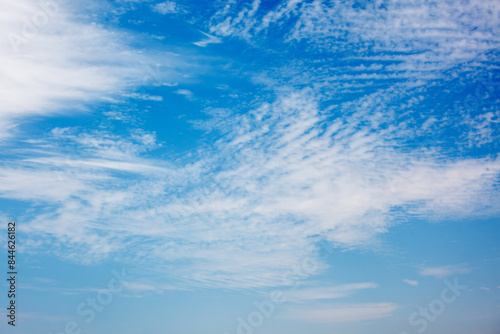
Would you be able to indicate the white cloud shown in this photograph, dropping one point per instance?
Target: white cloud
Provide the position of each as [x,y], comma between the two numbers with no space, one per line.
[227,25]
[410,41]
[410,282]
[385,25]
[145,97]
[209,40]
[445,271]
[331,292]
[55,64]
[245,211]
[484,288]
[167,7]
[185,92]
[336,313]
[104,164]
[404,38]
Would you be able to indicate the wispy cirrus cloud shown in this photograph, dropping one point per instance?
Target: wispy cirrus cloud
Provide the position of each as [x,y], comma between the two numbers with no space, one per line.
[412,31]
[167,7]
[381,45]
[210,39]
[185,92]
[54,63]
[329,292]
[411,282]
[242,212]
[315,304]
[445,271]
[338,313]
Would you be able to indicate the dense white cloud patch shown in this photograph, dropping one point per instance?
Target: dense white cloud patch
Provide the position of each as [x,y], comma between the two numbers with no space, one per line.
[167,7]
[53,62]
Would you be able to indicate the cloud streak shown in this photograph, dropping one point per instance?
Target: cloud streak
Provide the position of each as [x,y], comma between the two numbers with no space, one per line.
[445,271]
[332,292]
[344,313]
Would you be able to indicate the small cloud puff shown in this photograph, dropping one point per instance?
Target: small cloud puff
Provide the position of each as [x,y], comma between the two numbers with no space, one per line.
[444,271]
[411,282]
[185,92]
[167,7]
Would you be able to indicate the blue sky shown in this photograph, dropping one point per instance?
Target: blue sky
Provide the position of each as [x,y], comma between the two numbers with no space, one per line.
[252,166]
